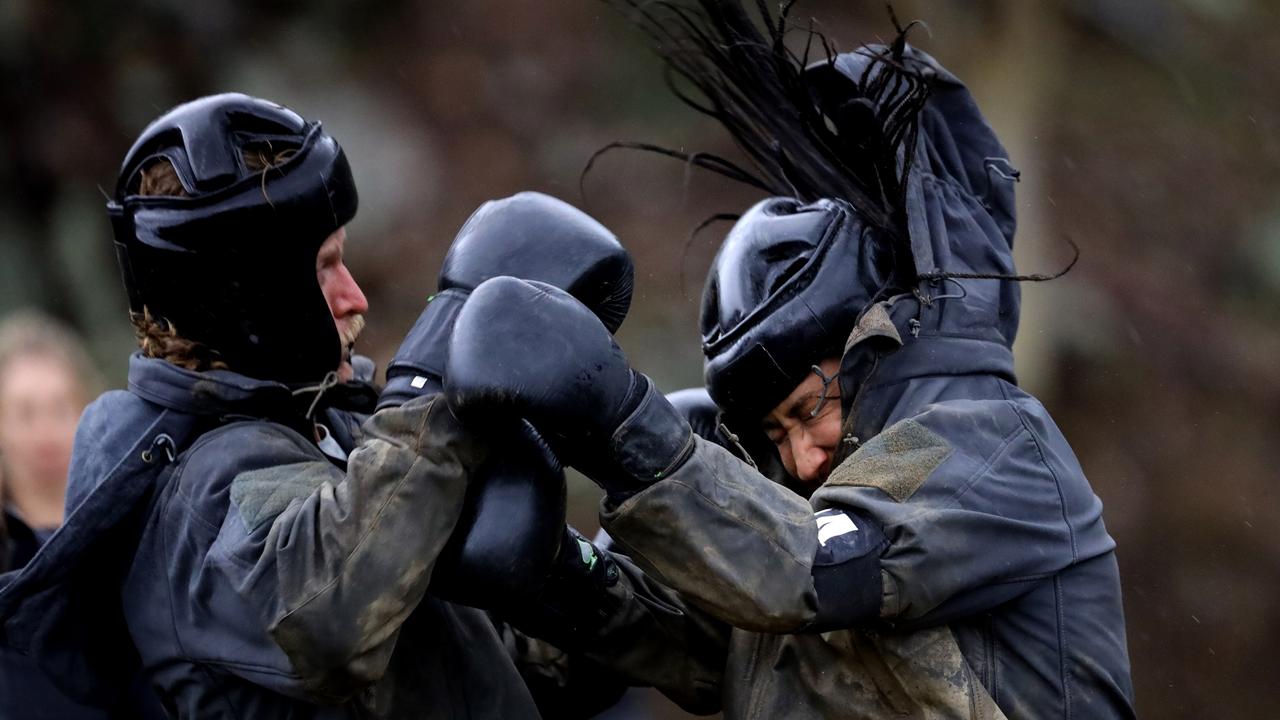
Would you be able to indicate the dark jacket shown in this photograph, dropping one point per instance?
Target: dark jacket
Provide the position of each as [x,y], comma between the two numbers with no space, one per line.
[257,576]
[997,588]
[26,692]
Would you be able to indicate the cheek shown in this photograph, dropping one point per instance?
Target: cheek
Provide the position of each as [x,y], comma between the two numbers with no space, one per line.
[328,287]
[827,434]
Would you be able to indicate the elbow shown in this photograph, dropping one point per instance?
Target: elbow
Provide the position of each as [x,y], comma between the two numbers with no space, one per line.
[781,612]
[332,666]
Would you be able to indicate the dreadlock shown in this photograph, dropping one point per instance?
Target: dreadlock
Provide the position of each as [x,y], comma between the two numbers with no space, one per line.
[810,131]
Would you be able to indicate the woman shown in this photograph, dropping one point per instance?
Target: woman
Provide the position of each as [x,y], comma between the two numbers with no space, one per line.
[45,382]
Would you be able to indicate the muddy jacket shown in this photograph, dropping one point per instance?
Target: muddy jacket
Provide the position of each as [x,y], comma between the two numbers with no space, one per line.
[995,591]
[258,575]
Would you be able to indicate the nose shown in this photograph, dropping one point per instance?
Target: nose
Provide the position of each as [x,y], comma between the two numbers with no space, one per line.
[811,460]
[345,296]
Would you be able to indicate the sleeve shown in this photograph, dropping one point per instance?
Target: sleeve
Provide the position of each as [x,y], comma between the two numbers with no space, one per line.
[979,501]
[331,564]
[730,540]
[955,511]
[601,610]
[563,685]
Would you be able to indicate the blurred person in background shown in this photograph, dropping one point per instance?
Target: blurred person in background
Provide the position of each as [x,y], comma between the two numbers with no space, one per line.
[938,551]
[46,380]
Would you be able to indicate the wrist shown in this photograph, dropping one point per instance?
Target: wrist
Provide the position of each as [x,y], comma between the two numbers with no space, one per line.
[654,440]
[418,367]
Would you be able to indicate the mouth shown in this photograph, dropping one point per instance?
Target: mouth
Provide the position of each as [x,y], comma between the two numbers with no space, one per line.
[349,332]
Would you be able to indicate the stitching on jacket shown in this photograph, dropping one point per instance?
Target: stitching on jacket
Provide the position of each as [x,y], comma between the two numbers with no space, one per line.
[1063,651]
[1057,482]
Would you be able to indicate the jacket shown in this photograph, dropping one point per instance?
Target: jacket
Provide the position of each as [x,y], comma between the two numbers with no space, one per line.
[257,575]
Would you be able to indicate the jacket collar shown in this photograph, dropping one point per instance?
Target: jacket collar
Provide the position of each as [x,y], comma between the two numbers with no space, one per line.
[214,392]
[888,352]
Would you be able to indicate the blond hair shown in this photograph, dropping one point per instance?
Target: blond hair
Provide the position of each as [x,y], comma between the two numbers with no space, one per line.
[29,332]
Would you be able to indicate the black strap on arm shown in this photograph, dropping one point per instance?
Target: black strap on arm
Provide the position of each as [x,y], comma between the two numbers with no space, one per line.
[846,569]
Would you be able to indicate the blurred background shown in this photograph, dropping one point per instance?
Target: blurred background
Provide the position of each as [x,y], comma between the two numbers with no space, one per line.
[1147,131]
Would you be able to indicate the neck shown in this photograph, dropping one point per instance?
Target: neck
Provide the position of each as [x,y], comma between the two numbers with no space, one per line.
[39,502]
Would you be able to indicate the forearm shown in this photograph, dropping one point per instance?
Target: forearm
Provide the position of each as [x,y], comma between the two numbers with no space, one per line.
[643,633]
[353,559]
[726,537]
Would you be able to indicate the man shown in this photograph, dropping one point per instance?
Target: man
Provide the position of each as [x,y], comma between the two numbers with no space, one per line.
[951,560]
[235,528]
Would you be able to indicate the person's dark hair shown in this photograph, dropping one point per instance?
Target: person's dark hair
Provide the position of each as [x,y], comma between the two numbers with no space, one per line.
[810,131]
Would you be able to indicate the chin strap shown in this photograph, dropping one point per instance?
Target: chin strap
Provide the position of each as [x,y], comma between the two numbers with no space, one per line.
[330,380]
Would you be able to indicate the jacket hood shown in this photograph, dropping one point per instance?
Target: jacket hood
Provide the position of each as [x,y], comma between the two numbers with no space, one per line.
[961,220]
[959,206]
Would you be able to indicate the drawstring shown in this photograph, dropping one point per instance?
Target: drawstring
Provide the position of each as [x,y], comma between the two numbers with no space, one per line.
[733,439]
[330,380]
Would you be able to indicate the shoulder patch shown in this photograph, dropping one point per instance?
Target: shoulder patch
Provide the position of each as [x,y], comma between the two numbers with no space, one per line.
[261,495]
[897,461]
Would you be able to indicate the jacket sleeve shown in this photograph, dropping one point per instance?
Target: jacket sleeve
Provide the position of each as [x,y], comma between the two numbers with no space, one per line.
[328,564]
[979,500]
[563,685]
[656,638]
[949,513]
[602,613]
[726,538]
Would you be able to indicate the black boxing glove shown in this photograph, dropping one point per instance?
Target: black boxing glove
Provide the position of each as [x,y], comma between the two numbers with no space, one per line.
[512,519]
[746,440]
[528,235]
[575,600]
[509,532]
[527,349]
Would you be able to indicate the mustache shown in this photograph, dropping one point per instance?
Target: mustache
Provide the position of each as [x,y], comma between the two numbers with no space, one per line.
[351,332]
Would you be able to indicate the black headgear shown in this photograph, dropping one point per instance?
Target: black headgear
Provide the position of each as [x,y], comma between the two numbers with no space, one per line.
[784,291]
[233,266]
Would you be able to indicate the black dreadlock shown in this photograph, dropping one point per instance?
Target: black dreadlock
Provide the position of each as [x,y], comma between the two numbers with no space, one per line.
[810,132]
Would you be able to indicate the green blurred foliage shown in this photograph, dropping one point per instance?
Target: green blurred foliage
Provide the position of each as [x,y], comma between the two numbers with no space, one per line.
[1148,132]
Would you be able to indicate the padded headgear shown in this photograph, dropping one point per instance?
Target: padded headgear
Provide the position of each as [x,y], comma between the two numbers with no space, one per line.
[783,293]
[233,265]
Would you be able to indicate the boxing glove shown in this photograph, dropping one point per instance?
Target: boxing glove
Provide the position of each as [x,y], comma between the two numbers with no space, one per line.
[528,235]
[527,349]
[505,545]
[513,516]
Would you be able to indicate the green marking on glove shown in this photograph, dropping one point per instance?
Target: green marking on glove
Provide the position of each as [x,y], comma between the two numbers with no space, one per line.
[588,554]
